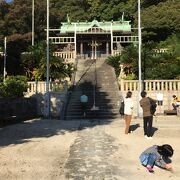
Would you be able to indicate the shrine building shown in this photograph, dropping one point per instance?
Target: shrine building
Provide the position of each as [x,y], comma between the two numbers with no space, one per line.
[91,39]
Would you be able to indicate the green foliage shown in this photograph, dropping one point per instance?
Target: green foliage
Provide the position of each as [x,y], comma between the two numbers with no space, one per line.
[114,61]
[161,17]
[130,77]
[14,86]
[130,56]
[154,66]
[34,63]
[172,43]
[1,78]
[165,67]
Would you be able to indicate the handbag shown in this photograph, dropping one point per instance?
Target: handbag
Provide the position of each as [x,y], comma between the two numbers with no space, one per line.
[121,109]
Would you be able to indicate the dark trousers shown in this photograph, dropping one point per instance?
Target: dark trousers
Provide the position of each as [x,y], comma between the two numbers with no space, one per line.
[84,106]
[148,125]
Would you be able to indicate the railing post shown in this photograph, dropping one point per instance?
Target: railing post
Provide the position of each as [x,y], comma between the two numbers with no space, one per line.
[122,85]
[170,86]
[178,86]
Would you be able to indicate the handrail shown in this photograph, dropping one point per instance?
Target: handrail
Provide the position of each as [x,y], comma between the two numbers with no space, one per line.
[94,108]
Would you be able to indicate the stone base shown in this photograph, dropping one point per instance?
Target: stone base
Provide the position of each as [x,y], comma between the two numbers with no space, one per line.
[170,112]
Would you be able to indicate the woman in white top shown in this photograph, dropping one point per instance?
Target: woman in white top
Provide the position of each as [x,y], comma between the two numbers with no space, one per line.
[128,110]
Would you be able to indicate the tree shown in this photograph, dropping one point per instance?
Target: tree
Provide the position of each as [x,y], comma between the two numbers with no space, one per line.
[164,17]
[154,66]
[115,62]
[34,63]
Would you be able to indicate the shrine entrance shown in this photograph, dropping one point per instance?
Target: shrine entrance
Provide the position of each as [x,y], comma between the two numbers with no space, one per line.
[93,46]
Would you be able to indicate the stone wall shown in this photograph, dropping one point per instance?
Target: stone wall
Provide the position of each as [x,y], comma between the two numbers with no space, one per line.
[57,104]
[17,109]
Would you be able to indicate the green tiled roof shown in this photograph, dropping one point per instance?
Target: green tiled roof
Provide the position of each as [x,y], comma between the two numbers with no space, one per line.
[69,27]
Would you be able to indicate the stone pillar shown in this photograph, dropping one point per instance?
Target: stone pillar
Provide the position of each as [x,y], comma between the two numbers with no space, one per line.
[121,75]
[92,54]
[95,50]
[81,49]
[107,48]
[119,47]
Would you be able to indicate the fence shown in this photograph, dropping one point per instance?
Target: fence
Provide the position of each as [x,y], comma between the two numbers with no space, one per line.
[35,87]
[153,87]
[150,85]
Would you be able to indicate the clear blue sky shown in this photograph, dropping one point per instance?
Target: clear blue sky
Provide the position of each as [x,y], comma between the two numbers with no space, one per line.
[9,0]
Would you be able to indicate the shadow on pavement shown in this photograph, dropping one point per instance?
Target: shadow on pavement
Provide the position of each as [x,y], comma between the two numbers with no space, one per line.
[39,128]
[134,127]
[154,129]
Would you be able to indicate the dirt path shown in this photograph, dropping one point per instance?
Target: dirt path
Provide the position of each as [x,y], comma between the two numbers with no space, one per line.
[35,150]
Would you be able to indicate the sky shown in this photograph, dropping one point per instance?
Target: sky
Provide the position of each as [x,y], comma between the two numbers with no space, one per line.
[9,1]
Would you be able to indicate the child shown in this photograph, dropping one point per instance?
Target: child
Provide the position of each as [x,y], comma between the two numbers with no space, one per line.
[157,155]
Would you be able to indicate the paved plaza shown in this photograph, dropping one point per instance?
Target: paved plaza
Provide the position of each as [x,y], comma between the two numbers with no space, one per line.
[84,150]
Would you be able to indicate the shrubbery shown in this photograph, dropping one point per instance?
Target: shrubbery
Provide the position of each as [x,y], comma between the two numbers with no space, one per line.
[114,61]
[1,78]
[14,86]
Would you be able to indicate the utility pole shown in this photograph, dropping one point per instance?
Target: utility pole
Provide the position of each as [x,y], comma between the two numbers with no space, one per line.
[47,95]
[32,22]
[47,49]
[139,57]
[5,52]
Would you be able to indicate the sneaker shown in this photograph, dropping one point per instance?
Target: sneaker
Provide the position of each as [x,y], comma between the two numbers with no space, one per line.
[150,169]
[148,137]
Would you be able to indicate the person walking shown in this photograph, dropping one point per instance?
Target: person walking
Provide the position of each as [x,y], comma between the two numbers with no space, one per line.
[84,102]
[147,114]
[128,111]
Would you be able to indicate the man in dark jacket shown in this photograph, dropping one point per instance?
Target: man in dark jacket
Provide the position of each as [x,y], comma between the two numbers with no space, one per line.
[147,114]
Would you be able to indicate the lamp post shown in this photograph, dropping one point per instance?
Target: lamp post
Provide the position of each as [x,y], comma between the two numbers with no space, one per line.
[139,55]
[32,22]
[4,72]
[47,95]
[47,49]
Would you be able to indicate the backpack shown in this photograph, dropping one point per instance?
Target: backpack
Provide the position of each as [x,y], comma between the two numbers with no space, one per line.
[153,106]
[121,109]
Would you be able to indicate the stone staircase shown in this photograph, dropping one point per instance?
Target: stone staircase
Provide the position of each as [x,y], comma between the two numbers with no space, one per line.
[97,80]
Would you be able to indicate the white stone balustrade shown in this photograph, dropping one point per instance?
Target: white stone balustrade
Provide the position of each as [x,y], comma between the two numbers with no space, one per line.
[125,39]
[153,87]
[150,85]
[116,52]
[67,55]
[40,87]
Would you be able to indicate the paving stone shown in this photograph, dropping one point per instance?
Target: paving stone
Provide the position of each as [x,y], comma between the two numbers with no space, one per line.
[89,156]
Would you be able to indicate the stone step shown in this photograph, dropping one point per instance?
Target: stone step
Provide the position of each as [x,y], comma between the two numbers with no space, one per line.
[107,93]
[92,117]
